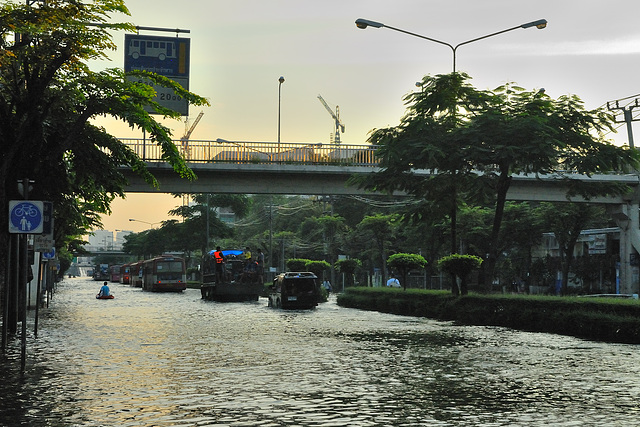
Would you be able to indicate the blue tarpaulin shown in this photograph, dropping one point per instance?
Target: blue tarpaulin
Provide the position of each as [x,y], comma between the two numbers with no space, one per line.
[228,252]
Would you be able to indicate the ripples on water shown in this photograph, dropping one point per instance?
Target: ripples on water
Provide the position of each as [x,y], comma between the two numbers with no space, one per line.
[146,359]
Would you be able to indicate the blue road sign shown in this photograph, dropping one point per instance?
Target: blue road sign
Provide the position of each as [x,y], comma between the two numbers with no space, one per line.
[49,255]
[167,56]
[25,216]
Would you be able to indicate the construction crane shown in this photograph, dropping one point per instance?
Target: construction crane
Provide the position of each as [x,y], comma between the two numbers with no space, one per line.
[184,141]
[336,117]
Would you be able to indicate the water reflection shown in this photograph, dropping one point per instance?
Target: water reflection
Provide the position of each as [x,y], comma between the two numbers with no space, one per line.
[147,359]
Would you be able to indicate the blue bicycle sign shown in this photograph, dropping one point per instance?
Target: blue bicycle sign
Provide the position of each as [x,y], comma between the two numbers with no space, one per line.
[25,216]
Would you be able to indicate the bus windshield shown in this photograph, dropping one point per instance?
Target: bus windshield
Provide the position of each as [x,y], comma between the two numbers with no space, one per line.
[169,267]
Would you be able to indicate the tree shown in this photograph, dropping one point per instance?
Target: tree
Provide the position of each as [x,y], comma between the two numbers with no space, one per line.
[426,140]
[379,229]
[297,264]
[521,230]
[528,132]
[405,263]
[458,141]
[348,268]
[318,268]
[49,97]
[460,266]
[201,216]
[566,221]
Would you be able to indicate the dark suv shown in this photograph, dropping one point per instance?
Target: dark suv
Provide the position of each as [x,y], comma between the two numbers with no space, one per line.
[299,290]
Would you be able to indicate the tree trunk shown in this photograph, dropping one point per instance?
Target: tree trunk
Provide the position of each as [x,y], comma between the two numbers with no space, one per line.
[463,285]
[502,186]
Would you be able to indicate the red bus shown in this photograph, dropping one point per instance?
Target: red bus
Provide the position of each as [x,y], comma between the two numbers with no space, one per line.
[164,273]
[135,274]
[125,277]
[114,273]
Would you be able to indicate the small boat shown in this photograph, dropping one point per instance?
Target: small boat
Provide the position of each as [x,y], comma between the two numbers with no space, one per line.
[98,296]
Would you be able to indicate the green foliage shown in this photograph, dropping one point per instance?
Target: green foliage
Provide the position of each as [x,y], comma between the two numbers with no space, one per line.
[460,265]
[347,266]
[319,268]
[405,263]
[459,131]
[49,100]
[297,264]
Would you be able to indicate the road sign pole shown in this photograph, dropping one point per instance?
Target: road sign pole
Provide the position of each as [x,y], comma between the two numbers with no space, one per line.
[25,276]
[5,297]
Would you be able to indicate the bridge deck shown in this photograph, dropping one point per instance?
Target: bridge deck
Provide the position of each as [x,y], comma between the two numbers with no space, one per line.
[302,168]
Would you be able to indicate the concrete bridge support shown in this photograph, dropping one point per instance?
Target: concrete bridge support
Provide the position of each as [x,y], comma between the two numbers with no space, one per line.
[627,217]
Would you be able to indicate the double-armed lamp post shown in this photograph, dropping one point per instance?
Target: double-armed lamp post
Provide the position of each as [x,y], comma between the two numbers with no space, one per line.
[364,23]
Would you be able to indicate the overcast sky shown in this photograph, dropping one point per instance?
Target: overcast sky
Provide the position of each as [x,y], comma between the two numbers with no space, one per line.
[240,48]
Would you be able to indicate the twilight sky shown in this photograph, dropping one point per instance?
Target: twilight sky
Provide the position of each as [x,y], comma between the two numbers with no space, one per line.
[240,48]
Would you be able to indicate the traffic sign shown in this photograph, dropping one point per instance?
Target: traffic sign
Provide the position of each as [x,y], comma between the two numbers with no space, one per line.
[49,255]
[167,56]
[43,243]
[25,216]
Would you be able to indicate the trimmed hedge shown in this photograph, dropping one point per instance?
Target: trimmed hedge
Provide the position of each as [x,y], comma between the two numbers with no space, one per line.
[600,319]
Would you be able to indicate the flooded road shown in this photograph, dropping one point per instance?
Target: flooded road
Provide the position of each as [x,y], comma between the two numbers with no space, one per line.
[152,359]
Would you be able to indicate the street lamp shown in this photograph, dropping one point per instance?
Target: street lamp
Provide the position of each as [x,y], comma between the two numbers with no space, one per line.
[145,222]
[364,23]
[280,81]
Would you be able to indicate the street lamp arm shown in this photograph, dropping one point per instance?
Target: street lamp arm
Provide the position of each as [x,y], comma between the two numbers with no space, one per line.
[540,24]
[420,36]
[364,23]
[144,222]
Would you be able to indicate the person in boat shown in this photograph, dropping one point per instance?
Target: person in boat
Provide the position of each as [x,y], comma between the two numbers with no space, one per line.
[104,290]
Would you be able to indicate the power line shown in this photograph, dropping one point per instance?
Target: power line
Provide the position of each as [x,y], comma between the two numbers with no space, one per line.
[627,111]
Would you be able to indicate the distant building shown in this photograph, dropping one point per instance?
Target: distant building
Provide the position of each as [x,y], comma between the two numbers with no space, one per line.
[100,240]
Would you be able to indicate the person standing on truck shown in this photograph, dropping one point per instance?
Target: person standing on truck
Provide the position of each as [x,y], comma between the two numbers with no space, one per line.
[260,261]
[219,268]
[247,255]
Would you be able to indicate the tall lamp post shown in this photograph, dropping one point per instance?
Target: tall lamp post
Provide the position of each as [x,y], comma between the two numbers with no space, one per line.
[280,81]
[364,23]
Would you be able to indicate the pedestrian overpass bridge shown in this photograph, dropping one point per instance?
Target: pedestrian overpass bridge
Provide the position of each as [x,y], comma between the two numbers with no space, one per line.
[241,167]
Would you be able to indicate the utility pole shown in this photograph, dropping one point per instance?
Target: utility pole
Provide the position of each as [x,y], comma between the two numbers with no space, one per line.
[627,111]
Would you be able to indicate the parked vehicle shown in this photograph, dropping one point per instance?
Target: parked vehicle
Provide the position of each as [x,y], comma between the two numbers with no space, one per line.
[135,274]
[241,280]
[114,273]
[125,273]
[164,274]
[295,290]
[101,273]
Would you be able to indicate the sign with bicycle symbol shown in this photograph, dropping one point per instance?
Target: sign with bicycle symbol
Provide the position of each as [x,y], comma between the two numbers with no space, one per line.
[25,216]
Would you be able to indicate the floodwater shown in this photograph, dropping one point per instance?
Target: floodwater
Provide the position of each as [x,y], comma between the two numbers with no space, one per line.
[153,359]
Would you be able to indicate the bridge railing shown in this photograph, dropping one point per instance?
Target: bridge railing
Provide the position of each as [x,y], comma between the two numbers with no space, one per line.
[203,151]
